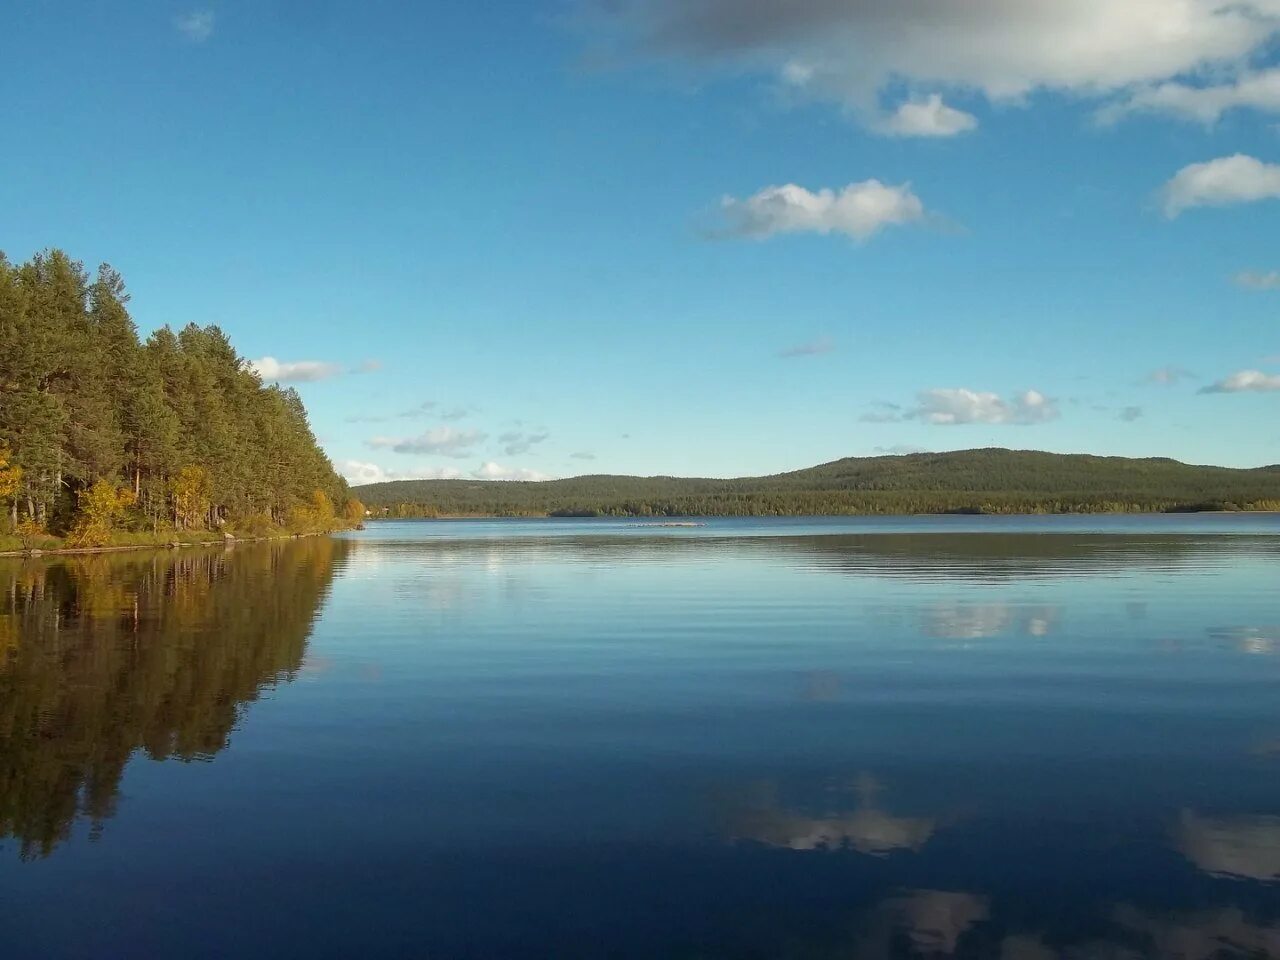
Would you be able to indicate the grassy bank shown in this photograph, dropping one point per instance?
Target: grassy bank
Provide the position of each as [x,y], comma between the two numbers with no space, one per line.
[127,540]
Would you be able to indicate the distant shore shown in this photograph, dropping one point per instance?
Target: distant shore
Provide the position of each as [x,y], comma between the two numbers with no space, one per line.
[701,518]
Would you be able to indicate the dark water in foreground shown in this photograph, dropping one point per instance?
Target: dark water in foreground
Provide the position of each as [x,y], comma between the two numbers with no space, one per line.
[804,739]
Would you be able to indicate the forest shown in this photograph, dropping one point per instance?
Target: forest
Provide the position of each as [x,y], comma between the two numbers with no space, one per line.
[107,438]
[992,480]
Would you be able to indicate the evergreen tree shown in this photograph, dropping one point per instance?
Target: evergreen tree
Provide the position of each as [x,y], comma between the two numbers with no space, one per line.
[178,423]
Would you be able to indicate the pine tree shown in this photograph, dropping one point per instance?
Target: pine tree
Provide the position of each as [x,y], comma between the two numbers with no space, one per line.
[181,423]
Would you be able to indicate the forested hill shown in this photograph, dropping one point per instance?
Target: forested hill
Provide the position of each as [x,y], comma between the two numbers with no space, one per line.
[989,480]
[102,434]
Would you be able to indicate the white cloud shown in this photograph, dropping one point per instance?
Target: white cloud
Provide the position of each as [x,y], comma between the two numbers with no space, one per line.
[954,407]
[797,74]
[1227,180]
[516,442]
[1245,381]
[1258,281]
[1169,376]
[929,117]
[196,26]
[298,371]
[851,51]
[496,471]
[444,441]
[1258,90]
[358,472]
[901,450]
[859,210]
[813,348]
[367,366]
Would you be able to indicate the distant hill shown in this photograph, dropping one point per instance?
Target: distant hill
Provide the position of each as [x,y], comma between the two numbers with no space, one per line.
[992,480]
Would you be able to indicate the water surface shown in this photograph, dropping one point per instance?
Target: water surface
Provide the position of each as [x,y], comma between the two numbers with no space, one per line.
[979,737]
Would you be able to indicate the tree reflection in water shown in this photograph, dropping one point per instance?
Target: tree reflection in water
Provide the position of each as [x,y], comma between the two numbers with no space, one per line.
[108,655]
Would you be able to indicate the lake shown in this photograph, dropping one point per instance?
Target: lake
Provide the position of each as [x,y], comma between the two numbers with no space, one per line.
[1021,738]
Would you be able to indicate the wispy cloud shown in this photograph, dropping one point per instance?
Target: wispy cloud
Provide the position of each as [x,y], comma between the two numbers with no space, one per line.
[582,455]
[1130,414]
[883,412]
[496,471]
[432,408]
[197,25]
[900,450]
[297,371]
[367,366]
[419,410]
[1168,376]
[1245,381]
[516,442]
[859,210]
[426,408]
[1225,181]
[1251,280]
[442,441]
[813,348]
[1258,90]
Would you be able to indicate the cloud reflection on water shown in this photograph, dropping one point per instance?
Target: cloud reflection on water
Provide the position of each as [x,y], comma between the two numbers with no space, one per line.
[976,621]
[866,827]
[1259,641]
[1244,847]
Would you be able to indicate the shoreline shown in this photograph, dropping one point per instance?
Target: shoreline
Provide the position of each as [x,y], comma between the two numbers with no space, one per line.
[38,552]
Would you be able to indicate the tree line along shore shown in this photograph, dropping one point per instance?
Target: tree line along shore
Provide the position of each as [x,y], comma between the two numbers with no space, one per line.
[107,439]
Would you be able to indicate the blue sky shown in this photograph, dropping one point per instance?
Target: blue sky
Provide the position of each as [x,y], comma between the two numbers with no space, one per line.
[543,239]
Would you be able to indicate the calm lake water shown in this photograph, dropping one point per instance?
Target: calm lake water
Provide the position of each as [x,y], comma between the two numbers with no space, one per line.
[979,737]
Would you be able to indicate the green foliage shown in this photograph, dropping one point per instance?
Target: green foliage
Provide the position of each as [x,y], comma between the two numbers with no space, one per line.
[969,481]
[180,420]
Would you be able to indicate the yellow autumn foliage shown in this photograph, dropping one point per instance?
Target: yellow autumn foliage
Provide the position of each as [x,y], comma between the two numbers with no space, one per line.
[101,507]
